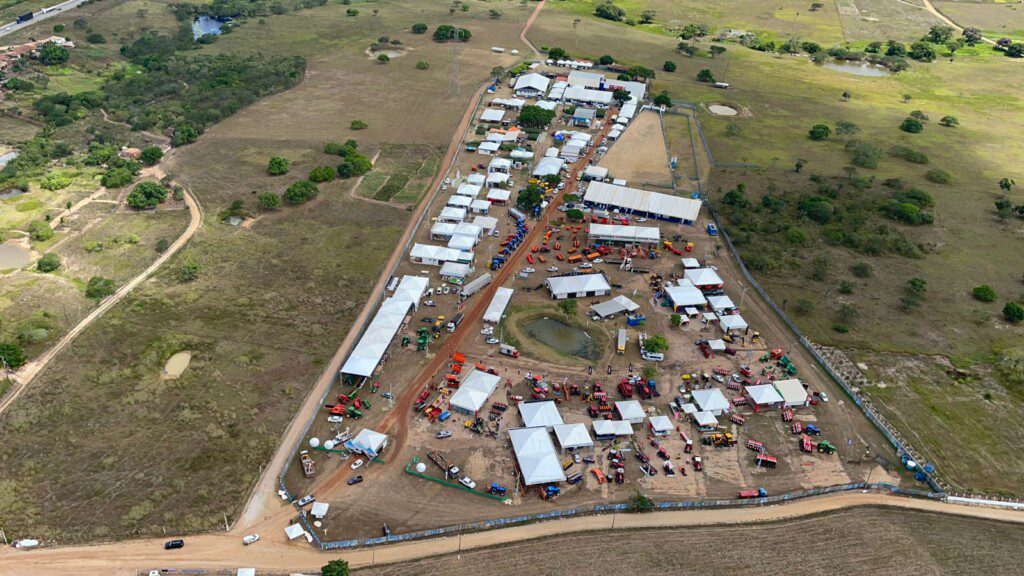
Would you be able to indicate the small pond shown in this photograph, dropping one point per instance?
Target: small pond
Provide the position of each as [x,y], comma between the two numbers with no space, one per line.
[858,68]
[12,256]
[205,25]
[13,192]
[177,364]
[563,338]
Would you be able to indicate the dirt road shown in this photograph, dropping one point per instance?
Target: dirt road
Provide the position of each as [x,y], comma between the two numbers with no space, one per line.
[935,12]
[24,376]
[220,551]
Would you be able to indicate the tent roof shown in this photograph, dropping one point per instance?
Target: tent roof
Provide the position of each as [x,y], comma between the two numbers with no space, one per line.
[492,115]
[510,102]
[705,419]
[366,354]
[412,288]
[442,229]
[578,283]
[519,154]
[532,80]
[629,409]
[471,190]
[589,95]
[488,146]
[547,104]
[468,229]
[476,179]
[643,201]
[319,509]
[294,531]
[721,303]
[703,277]
[498,162]
[614,306]
[660,423]
[536,455]
[540,414]
[691,263]
[497,178]
[685,295]
[456,269]
[499,194]
[498,304]
[462,242]
[459,201]
[732,322]
[710,399]
[371,439]
[764,394]
[485,222]
[431,252]
[791,390]
[474,390]
[479,204]
[612,428]
[548,165]
[616,232]
[452,213]
[573,435]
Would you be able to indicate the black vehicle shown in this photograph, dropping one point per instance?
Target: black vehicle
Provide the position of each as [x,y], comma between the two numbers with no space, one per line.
[25,17]
[174,544]
[387,531]
[355,480]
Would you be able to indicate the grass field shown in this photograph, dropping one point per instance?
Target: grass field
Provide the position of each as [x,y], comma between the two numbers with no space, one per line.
[272,300]
[401,174]
[995,19]
[869,541]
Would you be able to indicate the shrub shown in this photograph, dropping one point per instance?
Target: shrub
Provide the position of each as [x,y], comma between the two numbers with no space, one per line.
[864,154]
[151,155]
[912,125]
[117,178]
[984,293]
[669,66]
[162,245]
[95,38]
[1013,312]
[277,166]
[803,306]
[383,58]
[269,201]
[40,231]
[840,328]
[938,176]
[322,174]
[189,271]
[48,263]
[861,270]
[55,181]
[147,195]
[13,355]
[422,65]
[819,132]
[609,11]
[949,121]
[419,28]
[446,32]
[300,192]
[354,165]
[705,75]
[846,287]
[99,288]
[358,125]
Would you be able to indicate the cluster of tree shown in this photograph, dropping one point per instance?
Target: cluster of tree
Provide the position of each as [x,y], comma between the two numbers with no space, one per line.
[912,156]
[535,117]
[147,195]
[34,156]
[1005,208]
[1011,48]
[61,109]
[189,94]
[609,11]
[637,74]
[908,207]
[224,9]
[120,171]
[655,343]
[51,54]
[447,32]
[13,355]
[691,31]
[530,197]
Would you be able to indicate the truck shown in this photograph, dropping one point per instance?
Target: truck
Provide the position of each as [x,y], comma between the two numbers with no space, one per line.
[476,285]
[620,347]
[25,17]
[515,213]
[308,468]
[508,350]
[456,320]
[754,493]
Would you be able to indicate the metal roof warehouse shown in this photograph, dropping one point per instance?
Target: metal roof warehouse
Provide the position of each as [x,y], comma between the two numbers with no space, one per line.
[643,202]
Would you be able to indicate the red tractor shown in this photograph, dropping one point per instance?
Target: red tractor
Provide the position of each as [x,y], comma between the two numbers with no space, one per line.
[625,388]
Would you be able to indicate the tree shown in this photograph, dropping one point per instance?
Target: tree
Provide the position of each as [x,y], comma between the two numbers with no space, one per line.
[691,31]
[277,166]
[383,58]
[151,155]
[705,75]
[972,35]
[609,11]
[845,128]
[189,271]
[949,121]
[301,192]
[663,99]
[535,117]
[12,355]
[677,319]
[873,47]
[422,65]
[40,231]
[358,125]
[894,48]
[912,125]
[269,201]
[419,28]
[917,286]
[799,165]
[922,51]
[656,343]
[716,50]
[939,34]
[919,115]
[147,195]
[647,16]
[335,568]
[569,306]
[117,178]
[446,32]
[640,502]
[621,96]
[184,134]
[1013,312]
[669,66]
[984,293]
[322,174]
[606,60]
[530,197]
[354,165]
[557,53]
[1005,184]
[574,215]
[51,55]
[48,263]
[819,132]
[641,73]
[99,288]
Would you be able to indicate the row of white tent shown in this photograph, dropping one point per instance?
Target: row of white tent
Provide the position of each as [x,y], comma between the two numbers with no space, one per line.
[367,353]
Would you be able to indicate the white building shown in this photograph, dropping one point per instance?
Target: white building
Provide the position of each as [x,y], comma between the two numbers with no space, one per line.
[451,214]
[721,304]
[547,166]
[480,206]
[607,429]
[431,255]
[660,425]
[732,322]
[793,392]
[531,85]
[486,223]
[642,202]
[496,308]
[763,397]
[458,201]
[368,442]
[497,179]
[573,436]
[498,195]
[473,392]
[540,414]
[598,173]
[711,400]
[470,190]
[455,270]
[535,454]
[684,295]
[630,410]
[499,165]
[462,242]
[617,305]
[625,234]
[703,278]
[578,286]
[492,115]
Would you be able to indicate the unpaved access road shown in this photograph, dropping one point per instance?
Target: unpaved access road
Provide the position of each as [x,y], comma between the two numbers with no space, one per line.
[222,551]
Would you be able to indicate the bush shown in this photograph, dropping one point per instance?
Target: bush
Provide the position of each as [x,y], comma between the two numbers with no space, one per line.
[383,58]
[419,28]
[864,154]
[189,271]
[269,201]
[162,245]
[938,176]
[151,155]
[609,11]
[422,65]
[1013,312]
[705,75]
[358,125]
[300,192]
[446,32]
[912,125]
[861,270]
[55,181]
[13,355]
[984,293]
[147,195]
[40,231]
[819,132]
[117,178]
[277,166]
[322,174]
[95,38]
[48,263]
[803,307]
[99,288]
[354,165]
[840,328]
[669,66]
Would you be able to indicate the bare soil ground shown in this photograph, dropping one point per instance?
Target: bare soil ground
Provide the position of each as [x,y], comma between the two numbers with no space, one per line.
[639,155]
[868,541]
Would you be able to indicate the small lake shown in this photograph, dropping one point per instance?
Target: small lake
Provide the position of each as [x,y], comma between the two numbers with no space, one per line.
[563,338]
[12,256]
[205,25]
[858,68]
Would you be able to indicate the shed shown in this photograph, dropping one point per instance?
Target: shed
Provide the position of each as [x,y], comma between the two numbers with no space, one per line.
[630,410]
[535,454]
[540,414]
[625,234]
[730,322]
[793,392]
[721,303]
[573,436]
[705,421]
[711,400]
[578,286]
[319,510]
[703,278]
[660,425]
[473,392]
[763,397]
[642,202]
[608,429]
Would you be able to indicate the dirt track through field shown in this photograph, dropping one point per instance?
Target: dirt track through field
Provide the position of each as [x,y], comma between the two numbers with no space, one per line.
[225,551]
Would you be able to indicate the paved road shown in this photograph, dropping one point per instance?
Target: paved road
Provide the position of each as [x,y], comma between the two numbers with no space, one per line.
[23,377]
[273,554]
[54,10]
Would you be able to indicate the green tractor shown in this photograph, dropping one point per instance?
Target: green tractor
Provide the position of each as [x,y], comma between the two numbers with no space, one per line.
[826,447]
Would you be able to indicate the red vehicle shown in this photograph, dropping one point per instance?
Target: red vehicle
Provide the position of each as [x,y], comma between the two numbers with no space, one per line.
[756,493]
[738,419]
[797,428]
[535,249]
[787,415]
[805,443]
[529,258]
[739,401]
[644,391]
[604,250]
[686,439]
[733,385]
[558,246]
[625,388]
[755,446]
[599,475]
[730,350]
[423,395]
[620,475]
[560,257]
[766,460]
[720,371]
[698,464]
[745,371]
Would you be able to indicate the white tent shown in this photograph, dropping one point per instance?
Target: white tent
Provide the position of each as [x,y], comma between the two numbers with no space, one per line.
[548,166]
[498,304]
[474,391]
[595,173]
[432,255]
[470,190]
[294,531]
[455,269]
[629,234]
[499,165]
[573,436]
[486,223]
[763,395]
[580,285]
[495,179]
[685,295]
[660,425]
[319,510]
[475,179]
[654,204]
[442,230]
[499,195]
[412,288]
[616,305]
[703,277]
[509,102]
[536,456]
[245,572]
[730,322]
[368,442]
[792,391]
[479,206]
[721,303]
[717,345]
[610,428]
[492,115]
[531,85]
[462,243]
[450,214]
[488,147]
[691,263]
[459,201]
[368,352]
[540,414]
[520,154]
[547,104]
[711,400]
[630,410]
[705,420]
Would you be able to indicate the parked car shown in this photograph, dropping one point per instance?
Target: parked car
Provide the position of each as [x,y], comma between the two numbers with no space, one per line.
[335,419]
[357,463]
[493,340]
[174,544]
[251,539]
[468,482]
[442,434]
[305,500]
[598,260]
[586,266]
[355,480]
[529,270]
[430,303]
[387,395]
[823,396]
[553,269]
[718,378]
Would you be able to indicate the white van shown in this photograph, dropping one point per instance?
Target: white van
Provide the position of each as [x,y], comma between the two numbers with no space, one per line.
[652,356]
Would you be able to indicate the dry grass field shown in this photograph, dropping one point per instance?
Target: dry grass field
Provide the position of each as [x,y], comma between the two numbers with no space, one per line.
[639,156]
[868,541]
[997,19]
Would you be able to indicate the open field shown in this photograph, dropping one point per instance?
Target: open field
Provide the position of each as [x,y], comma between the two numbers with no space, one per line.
[272,300]
[884,20]
[995,19]
[639,156]
[400,175]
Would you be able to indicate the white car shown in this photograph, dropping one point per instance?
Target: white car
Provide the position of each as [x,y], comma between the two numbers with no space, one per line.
[430,303]
[529,270]
[493,340]
[586,266]
[641,220]
[495,233]
[251,539]
[468,482]
[335,419]
[598,260]
[305,500]
[553,269]
[561,186]
[823,396]
[718,378]
[487,330]
[357,463]
[447,290]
